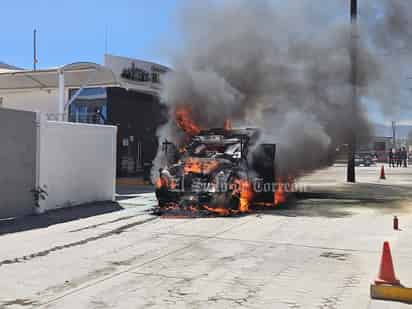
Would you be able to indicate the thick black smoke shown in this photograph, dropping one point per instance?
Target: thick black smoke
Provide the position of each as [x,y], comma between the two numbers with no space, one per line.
[285,67]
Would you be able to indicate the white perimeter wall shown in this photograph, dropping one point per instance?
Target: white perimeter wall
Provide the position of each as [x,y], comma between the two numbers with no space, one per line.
[77,163]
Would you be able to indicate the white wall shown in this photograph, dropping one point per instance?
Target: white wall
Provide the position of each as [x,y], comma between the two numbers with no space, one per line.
[45,101]
[77,163]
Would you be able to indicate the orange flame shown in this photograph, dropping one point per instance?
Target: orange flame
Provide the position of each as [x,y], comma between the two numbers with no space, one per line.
[245,191]
[228,125]
[197,166]
[174,211]
[246,194]
[185,122]
[173,184]
[280,196]
[159,183]
[219,211]
[163,182]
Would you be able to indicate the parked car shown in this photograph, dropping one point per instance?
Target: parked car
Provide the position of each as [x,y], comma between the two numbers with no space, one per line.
[364,160]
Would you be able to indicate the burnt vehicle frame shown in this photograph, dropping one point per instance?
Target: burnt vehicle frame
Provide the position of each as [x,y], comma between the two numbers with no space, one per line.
[217,171]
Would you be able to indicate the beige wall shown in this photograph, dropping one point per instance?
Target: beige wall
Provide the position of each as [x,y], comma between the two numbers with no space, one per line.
[45,101]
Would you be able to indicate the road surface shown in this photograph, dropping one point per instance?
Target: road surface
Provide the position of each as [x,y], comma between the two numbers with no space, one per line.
[321,251]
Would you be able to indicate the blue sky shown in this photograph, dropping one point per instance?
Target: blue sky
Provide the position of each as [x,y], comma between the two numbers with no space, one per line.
[74,30]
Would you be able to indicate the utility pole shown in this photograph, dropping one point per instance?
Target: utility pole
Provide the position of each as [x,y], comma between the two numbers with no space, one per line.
[354,78]
[34,50]
[354,10]
[394,134]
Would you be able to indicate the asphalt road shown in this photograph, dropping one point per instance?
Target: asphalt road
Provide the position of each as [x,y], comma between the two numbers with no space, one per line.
[322,250]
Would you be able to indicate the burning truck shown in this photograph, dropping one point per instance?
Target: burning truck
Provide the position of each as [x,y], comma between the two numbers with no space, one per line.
[221,171]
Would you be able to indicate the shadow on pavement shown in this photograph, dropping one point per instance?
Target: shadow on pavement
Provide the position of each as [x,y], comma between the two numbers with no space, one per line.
[315,208]
[56,217]
[341,204]
[124,192]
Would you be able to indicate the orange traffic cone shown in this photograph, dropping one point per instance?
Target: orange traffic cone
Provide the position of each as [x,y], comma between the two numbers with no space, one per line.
[387,272]
[383,172]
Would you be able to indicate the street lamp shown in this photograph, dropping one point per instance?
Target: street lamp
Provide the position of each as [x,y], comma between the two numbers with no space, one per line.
[352,139]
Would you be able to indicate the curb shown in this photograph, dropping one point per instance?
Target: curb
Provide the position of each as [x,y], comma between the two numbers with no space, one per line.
[389,292]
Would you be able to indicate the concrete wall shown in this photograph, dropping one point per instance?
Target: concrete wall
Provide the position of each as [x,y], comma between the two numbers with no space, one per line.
[17,162]
[77,163]
[45,101]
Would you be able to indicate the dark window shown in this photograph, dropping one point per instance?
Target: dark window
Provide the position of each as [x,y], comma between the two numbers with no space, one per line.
[155,77]
[136,74]
[144,76]
[90,106]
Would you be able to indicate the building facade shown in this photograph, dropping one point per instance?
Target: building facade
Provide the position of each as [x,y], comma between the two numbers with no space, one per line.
[123,92]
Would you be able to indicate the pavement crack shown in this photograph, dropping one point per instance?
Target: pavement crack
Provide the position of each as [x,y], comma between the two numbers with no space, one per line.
[285,244]
[18,302]
[102,224]
[135,267]
[336,256]
[334,301]
[238,301]
[82,242]
[162,276]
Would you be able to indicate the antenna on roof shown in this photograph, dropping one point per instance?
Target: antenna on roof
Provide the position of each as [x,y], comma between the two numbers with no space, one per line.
[35,49]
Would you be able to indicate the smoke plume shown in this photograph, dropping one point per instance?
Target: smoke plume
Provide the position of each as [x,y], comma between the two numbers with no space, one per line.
[285,67]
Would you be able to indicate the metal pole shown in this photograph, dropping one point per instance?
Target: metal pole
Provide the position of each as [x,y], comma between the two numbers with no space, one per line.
[394,134]
[354,10]
[351,176]
[34,50]
[61,95]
